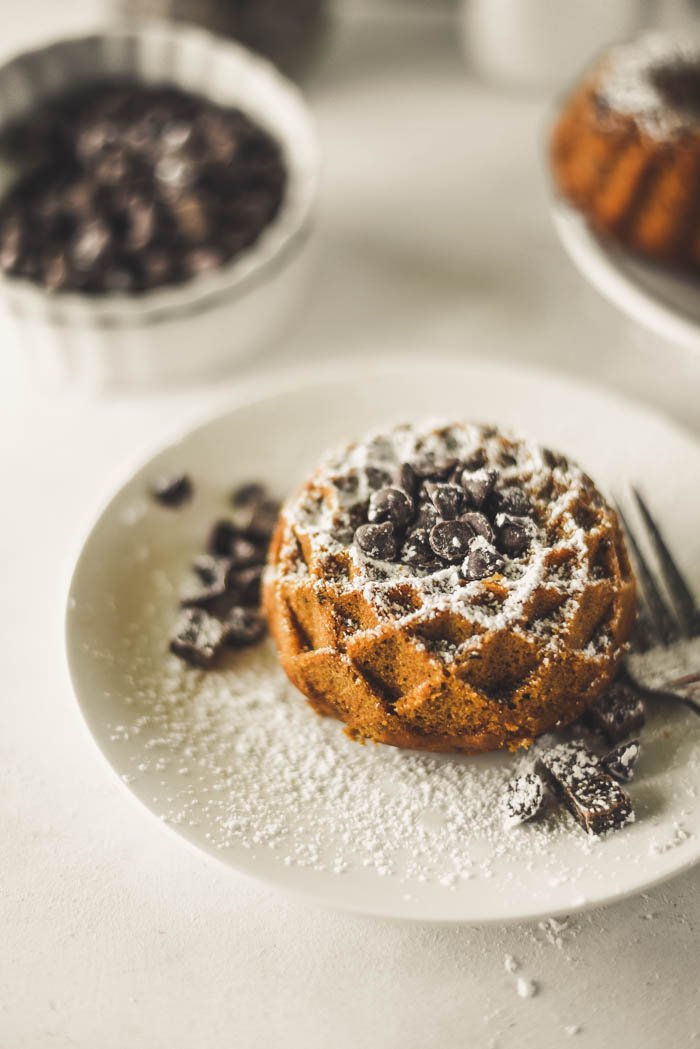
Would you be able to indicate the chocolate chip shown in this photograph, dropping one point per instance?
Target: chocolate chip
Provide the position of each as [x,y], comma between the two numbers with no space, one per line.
[211,571]
[197,638]
[448,499]
[377,541]
[478,486]
[512,500]
[221,538]
[481,562]
[249,494]
[377,478]
[245,553]
[594,798]
[172,490]
[243,627]
[513,537]
[620,762]
[430,468]
[244,584]
[408,480]
[256,512]
[618,713]
[450,540]
[480,525]
[390,504]
[417,551]
[524,798]
[426,517]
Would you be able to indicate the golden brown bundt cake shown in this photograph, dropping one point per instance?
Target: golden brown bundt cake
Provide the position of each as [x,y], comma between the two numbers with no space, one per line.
[449,588]
[626,148]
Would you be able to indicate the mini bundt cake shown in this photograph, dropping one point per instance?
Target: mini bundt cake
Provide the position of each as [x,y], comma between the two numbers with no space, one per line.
[449,588]
[626,149]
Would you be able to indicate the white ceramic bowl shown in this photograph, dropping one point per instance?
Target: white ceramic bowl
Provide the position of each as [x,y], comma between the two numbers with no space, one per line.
[200,327]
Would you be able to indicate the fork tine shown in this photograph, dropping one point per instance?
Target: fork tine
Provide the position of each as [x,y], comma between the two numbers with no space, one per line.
[684,602]
[662,619]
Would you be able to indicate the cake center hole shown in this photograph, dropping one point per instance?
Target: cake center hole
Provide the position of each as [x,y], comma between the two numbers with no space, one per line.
[679,87]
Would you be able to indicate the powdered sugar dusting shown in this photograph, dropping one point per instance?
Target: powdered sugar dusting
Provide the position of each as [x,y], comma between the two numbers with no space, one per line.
[628,81]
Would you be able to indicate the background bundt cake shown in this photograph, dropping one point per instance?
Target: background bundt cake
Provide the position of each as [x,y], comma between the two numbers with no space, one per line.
[626,148]
[449,588]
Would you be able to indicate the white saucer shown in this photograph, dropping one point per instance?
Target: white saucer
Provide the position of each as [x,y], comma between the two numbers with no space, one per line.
[666,303]
[208,753]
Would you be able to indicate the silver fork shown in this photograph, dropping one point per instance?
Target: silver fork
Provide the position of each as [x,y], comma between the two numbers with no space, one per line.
[665,655]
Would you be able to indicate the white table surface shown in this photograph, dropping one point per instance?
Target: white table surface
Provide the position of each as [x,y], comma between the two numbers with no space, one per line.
[434,240]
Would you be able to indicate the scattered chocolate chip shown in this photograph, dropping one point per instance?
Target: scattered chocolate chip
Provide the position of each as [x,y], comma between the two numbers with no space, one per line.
[390,504]
[513,537]
[450,540]
[211,571]
[244,584]
[245,553]
[480,525]
[172,490]
[620,762]
[512,500]
[255,513]
[221,538]
[481,562]
[448,499]
[478,486]
[197,638]
[594,798]
[617,714]
[377,541]
[524,798]
[243,626]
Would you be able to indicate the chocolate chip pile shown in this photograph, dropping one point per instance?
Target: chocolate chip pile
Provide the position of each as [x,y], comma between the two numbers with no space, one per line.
[126,187]
[444,513]
[588,785]
[221,607]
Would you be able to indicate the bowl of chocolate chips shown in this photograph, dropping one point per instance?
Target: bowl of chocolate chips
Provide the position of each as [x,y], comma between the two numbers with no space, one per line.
[157,193]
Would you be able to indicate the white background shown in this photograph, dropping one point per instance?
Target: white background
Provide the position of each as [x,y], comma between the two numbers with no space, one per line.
[434,239]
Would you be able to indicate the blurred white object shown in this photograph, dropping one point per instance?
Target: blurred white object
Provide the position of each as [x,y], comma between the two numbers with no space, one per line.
[542,43]
[197,328]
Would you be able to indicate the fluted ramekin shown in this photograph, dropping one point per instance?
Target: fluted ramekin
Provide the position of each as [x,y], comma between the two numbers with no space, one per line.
[200,327]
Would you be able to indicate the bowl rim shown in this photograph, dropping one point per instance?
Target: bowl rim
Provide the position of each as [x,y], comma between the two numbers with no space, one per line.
[280,240]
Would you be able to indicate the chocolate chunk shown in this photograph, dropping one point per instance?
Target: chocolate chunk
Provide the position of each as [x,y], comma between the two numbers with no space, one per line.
[197,638]
[377,478]
[512,500]
[243,626]
[617,714]
[377,541]
[478,486]
[448,499]
[480,525]
[481,562]
[245,553]
[211,571]
[418,553]
[594,798]
[244,584]
[513,536]
[249,494]
[524,798]
[450,540]
[255,512]
[426,517]
[390,504]
[172,490]
[620,762]
[408,480]
[221,538]
[430,468]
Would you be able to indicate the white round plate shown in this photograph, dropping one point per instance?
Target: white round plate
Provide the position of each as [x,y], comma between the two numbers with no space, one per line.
[667,303]
[236,762]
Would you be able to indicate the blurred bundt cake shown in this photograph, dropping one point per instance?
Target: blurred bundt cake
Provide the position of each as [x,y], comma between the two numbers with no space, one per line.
[449,588]
[625,150]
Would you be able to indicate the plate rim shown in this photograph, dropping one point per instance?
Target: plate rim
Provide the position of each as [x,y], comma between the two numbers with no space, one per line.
[598,264]
[258,389]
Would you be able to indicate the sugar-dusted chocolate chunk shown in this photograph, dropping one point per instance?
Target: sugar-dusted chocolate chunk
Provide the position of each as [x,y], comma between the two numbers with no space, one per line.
[377,541]
[221,537]
[514,535]
[450,539]
[618,714]
[523,799]
[211,570]
[390,504]
[621,760]
[197,637]
[478,486]
[243,626]
[172,490]
[594,798]
[448,499]
[482,561]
